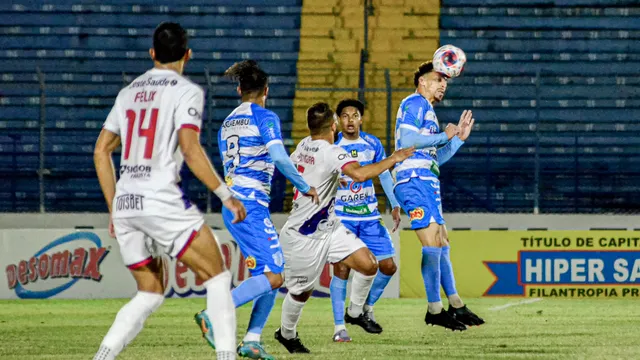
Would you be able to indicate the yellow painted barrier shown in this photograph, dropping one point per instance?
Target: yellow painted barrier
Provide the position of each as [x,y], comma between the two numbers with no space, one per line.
[580,264]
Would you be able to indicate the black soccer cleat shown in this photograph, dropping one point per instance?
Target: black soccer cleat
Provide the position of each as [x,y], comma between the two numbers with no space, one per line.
[445,320]
[465,316]
[364,321]
[294,346]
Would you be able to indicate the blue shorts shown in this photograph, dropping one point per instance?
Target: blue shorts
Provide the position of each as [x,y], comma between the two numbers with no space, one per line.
[375,235]
[257,238]
[421,200]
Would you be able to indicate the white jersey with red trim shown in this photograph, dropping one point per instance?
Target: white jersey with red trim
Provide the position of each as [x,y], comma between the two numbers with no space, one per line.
[147,115]
[320,164]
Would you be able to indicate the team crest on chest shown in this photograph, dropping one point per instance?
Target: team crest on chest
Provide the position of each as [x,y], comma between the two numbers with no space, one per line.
[354,153]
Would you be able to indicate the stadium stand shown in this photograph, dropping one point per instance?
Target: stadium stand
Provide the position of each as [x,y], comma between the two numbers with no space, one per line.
[88,51]
[583,109]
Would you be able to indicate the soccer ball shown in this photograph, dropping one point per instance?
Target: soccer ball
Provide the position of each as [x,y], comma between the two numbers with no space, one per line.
[449,60]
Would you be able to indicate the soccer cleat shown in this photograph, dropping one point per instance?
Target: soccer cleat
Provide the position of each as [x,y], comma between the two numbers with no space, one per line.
[253,350]
[294,345]
[202,320]
[341,336]
[465,316]
[445,320]
[365,322]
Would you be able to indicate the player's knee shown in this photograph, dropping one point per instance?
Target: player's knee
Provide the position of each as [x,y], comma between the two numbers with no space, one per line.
[341,271]
[276,280]
[303,297]
[369,268]
[388,267]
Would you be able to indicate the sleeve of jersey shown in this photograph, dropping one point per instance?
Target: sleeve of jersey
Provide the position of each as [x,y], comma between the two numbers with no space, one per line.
[188,113]
[446,152]
[269,126]
[338,158]
[286,167]
[410,124]
[111,123]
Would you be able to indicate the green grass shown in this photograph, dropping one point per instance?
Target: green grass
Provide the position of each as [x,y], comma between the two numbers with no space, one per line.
[550,329]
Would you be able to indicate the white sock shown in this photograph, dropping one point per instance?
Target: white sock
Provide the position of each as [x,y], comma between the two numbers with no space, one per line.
[455,301]
[225,355]
[222,313]
[338,328]
[436,307]
[367,308]
[252,337]
[291,311]
[360,286]
[128,324]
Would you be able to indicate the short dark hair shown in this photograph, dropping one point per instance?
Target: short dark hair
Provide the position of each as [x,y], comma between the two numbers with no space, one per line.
[319,118]
[424,68]
[350,102]
[169,42]
[249,75]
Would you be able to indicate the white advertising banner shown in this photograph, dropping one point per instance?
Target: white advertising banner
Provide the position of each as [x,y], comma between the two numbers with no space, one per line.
[86,264]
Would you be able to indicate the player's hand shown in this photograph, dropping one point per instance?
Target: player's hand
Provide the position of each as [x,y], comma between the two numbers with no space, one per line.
[237,208]
[112,230]
[343,182]
[313,194]
[451,130]
[395,214]
[466,124]
[402,154]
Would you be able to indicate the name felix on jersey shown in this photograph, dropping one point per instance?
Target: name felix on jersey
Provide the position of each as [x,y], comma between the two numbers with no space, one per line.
[144,96]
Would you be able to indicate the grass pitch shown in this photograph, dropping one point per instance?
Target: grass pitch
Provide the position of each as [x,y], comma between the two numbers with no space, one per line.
[549,329]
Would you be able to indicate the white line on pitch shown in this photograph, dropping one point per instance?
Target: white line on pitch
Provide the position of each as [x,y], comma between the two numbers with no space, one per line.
[518,303]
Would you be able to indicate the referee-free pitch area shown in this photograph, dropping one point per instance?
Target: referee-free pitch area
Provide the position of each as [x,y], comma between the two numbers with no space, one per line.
[547,329]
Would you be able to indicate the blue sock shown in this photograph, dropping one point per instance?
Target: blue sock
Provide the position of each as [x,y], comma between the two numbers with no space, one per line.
[338,291]
[250,289]
[446,273]
[260,313]
[379,283]
[431,272]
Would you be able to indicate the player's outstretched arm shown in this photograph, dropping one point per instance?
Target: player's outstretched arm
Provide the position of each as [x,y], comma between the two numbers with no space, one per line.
[465,125]
[411,137]
[105,145]
[363,173]
[200,165]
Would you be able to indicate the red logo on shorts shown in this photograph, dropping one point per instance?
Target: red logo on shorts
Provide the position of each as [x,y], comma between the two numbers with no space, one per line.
[250,262]
[416,214]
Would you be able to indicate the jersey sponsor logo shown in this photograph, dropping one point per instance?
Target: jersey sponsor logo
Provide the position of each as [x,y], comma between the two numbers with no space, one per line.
[278,258]
[342,156]
[129,202]
[430,116]
[251,262]
[355,197]
[82,262]
[136,171]
[152,82]
[271,129]
[194,112]
[228,180]
[236,122]
[355,187]
[310,149]
[354,153]
[357,210]
[268,223]
[416,214]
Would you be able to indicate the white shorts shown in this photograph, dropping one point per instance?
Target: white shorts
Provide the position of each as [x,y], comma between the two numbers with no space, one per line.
[305,257]
[141,237]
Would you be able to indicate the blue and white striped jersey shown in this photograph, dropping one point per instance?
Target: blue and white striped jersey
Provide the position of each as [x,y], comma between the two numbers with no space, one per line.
[357,201]
[243,139]
[416,114]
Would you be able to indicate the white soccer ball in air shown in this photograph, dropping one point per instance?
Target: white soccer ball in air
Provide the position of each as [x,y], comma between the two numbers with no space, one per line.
[449,60]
